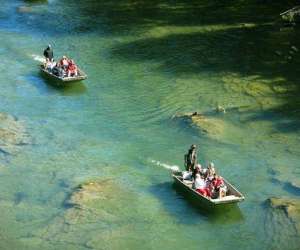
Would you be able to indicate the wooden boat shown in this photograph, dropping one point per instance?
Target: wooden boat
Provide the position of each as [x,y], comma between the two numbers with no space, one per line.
[81,76]
[233,196]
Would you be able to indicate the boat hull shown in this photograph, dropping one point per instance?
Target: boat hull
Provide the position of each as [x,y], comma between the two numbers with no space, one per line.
[61,81]
[204,202]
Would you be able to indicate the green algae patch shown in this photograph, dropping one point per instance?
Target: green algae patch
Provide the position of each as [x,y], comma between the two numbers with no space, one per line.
[290,206]
[163,31]
[266,93]
[13,134]
[97,194]
[18,222]
[214,127]
[281,223]
[100,206]
[287,175]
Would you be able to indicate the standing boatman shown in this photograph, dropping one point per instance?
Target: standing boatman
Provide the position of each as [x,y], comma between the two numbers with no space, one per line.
[190,159]
[48,53]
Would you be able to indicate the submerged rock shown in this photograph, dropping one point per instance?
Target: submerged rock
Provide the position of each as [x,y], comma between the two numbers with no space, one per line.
[291,208]
[295,183]
[91,191]
[287,176]
[281,223]
[12,134]
[256,88]
[212,126]
[101,205]
[102,199]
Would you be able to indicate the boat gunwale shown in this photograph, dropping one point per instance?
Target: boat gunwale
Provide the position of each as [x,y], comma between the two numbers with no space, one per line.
[82,76]
[209,200]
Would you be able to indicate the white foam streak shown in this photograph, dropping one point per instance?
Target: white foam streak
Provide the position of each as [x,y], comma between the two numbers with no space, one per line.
[38,58]
[166,166]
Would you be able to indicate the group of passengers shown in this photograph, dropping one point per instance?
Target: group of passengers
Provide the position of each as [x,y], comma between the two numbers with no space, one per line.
[65,67]
[205,180]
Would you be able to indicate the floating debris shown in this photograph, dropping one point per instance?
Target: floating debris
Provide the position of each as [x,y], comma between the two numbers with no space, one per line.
[294,48]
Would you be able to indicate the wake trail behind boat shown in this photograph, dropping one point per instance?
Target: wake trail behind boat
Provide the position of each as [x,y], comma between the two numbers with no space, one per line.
[38,58]
[166,166]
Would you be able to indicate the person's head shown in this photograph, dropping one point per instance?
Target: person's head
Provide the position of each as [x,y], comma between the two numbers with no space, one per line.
[49,46]
[193,146]
[218,176]
[64,57]
[198,166]
[211,165]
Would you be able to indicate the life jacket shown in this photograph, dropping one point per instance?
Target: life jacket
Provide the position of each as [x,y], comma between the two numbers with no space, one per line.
[72,66]
[218,182]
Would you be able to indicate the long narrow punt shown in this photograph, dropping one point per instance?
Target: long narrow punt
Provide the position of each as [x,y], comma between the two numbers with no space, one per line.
[233,195]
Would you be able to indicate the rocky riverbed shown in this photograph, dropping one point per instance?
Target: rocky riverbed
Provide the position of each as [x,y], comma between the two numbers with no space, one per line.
[13,134]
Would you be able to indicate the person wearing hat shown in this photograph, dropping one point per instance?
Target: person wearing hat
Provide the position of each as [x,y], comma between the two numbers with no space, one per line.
[48,53]
[191,158]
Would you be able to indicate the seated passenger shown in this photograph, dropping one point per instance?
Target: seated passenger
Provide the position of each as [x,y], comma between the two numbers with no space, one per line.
[186,175]
[58,71]
[204,172]
[210,188]
[197,170]
[49,65]
[200,185]
[64,63]
[72,69]
[219,186]
[210,171]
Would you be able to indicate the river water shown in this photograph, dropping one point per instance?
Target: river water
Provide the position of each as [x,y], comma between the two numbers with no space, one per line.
[146,62]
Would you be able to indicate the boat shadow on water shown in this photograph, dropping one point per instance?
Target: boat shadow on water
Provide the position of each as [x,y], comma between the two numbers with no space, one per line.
[75,88]
[230,213]
[179,204]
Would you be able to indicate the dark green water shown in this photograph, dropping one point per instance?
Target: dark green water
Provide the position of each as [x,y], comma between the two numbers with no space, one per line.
[147,61]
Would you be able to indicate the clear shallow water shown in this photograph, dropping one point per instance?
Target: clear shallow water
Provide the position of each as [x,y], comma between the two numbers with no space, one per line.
[146,63]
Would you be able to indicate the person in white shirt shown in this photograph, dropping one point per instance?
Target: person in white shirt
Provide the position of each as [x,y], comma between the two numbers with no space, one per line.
[200,185]
[199,182]
[210,171]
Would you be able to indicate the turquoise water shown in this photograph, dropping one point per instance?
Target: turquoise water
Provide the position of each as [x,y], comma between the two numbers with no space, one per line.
[147,62]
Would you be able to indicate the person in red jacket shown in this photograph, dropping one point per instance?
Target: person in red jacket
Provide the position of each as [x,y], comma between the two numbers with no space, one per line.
[72,69]
[219,186]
